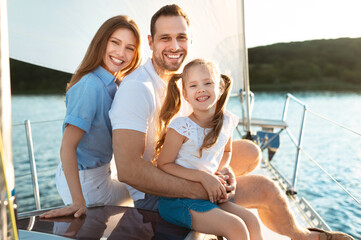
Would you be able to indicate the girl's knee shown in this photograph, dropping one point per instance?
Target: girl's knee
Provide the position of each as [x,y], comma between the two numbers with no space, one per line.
[254,226]
[236,229]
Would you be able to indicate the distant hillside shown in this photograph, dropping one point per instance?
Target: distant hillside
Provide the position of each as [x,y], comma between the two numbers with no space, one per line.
[298,66]
[311,65]
[31,79]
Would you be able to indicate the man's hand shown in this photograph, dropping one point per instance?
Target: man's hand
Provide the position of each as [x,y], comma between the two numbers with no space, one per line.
[227,174]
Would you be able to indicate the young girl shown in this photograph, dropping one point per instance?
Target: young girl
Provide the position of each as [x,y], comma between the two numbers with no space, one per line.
[195,148]
[83,176]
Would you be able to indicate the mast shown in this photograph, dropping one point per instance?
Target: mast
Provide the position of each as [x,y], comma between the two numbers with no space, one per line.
[244,57]
[7,184]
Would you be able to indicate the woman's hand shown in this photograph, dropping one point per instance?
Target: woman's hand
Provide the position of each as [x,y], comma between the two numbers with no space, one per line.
[76,210]
[214,186]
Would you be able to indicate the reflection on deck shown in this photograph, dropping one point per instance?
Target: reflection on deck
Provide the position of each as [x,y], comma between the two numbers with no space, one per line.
[109,222]
[114,222]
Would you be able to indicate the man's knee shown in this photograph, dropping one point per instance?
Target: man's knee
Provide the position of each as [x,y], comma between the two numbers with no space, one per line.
[256,191]
[272,193]
[246,156]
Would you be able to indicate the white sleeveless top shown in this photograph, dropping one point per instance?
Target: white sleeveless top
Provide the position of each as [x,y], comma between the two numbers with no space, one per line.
[188,155]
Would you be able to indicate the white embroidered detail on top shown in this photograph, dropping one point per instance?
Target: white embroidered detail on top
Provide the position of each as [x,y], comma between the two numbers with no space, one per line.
[186,127]
[183,127]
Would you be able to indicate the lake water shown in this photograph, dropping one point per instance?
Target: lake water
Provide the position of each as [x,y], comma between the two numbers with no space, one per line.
[335,149]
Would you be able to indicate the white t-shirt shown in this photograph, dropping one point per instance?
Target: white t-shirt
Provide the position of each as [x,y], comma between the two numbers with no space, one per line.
[136,106]
[188,155]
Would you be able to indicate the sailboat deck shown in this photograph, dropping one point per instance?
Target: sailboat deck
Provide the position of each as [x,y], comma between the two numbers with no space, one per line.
[121,220]
[138,222]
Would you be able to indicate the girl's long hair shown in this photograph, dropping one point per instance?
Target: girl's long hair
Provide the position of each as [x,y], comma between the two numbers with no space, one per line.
[94,56]
[172,104]
[170,107]
[217,122]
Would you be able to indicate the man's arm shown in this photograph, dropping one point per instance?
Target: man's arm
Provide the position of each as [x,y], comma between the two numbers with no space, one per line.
[132,169]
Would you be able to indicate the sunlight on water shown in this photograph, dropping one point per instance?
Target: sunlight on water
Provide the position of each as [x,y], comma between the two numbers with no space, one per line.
[335,149]
[338,151]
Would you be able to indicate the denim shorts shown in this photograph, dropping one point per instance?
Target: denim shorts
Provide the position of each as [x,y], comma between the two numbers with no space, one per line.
[150,202]
[177,210]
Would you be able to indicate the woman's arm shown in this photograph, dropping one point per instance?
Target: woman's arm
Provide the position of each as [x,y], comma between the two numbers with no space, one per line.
[167,157]
[71,138]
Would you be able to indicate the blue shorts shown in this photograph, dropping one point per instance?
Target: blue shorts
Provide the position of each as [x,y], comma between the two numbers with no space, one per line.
[150,202]
[177,210]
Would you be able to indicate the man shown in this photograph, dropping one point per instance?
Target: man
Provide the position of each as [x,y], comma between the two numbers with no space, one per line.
[133,116]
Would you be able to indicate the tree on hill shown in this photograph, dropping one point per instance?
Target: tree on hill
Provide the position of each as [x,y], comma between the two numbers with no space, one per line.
[310,65]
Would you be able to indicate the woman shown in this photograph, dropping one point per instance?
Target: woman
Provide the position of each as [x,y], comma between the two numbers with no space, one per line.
[83,177]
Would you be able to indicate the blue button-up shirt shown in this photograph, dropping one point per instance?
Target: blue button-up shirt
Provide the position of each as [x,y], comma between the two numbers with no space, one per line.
[87,106]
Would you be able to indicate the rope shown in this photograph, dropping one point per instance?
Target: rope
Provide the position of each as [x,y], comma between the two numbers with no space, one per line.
[322,169]
[39,122]
[330,176]
[10,203]
[338,124]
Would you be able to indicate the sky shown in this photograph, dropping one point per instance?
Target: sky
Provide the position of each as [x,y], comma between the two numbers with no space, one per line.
[273,21]
[56,35]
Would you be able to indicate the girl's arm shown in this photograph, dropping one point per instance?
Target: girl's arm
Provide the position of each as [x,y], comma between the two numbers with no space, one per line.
[225,172]
[71,138]
[227,154]
[172,144]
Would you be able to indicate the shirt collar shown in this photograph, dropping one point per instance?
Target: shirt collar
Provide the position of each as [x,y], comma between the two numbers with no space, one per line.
[104,75]
[159,83]
[108,80]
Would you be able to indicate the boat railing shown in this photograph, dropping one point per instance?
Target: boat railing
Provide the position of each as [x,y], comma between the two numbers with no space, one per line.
[300,149]
[33,170]
[34,175]
[283,125]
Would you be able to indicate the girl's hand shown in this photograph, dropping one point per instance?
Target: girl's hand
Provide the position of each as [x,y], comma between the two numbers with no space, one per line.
[214,187]
[227,174]
[224,178]
[75,209]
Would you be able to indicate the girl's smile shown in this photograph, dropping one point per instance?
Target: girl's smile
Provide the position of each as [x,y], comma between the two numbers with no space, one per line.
[201,88]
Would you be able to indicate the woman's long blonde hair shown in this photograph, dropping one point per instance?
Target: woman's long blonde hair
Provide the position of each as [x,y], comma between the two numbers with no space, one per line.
[172,104]
[94,56]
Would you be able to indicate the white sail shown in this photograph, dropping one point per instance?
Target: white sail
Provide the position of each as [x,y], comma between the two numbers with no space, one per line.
[56,34]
